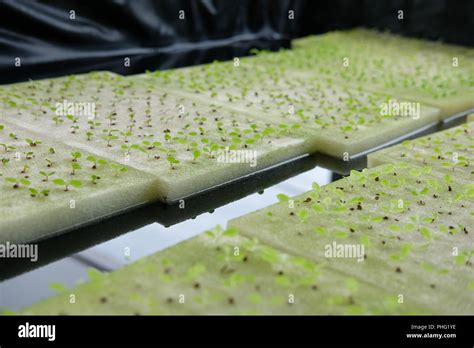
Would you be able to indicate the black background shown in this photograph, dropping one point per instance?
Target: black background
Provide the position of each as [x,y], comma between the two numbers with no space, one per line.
[351,331]
[151,35]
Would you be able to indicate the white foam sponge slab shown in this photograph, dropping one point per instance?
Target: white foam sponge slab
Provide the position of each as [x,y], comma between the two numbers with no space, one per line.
[220,272]
[450,152]
[394,226]
[40,195]
[335,119]
[186,144]
[433,73]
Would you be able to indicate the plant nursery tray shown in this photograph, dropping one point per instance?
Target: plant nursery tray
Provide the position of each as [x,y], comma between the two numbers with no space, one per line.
[89,233]
[80,237]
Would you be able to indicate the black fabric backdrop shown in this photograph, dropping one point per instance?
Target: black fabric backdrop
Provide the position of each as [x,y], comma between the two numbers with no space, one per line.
[151,34]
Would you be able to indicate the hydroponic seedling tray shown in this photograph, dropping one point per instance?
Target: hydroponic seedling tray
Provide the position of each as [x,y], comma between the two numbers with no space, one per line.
[219,193]
[411,250]
[449,151]
[174,138]
[248,111]
[47,186]
[220,272]
[74,240]
[333,119]
[408,218]
[428,72]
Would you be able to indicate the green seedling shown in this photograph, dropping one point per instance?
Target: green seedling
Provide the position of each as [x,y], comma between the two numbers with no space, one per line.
[211,149]
[32,143]
[196,154]
[72,118]
[95,179]
[96,161]
[25,169]
[57,120]
[118,169]
[267,132]
[29,155]
[111,117]
[17,183]
[147,123]
[126,135]
[93,125]
[5,161]
[282,197]
[10,103]
[283,128]
[74,167]
[49,163]
[46,175]
[136,147]
[74,129]
[7,147]
[89,136]
[35,193]
[148,144]
[172,161]
[109,138]
[130,127]
[67,184]
[75,156]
